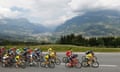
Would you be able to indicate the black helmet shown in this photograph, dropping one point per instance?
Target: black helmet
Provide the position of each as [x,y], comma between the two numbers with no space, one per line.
[89,51]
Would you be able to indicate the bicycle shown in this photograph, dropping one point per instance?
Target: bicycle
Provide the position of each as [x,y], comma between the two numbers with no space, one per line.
[56,60]
[21,63]
[65,59]
[74,63]
[94,63]
[49,64]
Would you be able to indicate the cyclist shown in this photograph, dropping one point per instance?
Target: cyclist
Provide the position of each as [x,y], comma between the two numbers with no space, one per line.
[73,60]
[52,54]
[12,51]
[30,55]
[5,58]
[17,60]
[89,56]
[18,51]
[25,53]
[38,51]
[69,54]
[2,51]
[50,50]
[47,58]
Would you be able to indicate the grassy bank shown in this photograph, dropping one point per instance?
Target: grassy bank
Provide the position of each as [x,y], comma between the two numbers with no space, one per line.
[63,48]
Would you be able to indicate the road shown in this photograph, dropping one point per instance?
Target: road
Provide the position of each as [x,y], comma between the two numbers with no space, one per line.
[109,62]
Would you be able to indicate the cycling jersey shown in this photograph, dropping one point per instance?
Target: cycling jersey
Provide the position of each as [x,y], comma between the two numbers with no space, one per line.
[17,58]
[47,57]
[88,56]
[52,54]
[50,50]
[5,56]
[18,51]
[30,51]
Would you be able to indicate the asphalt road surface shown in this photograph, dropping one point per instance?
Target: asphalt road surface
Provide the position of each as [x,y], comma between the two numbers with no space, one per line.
[109,62]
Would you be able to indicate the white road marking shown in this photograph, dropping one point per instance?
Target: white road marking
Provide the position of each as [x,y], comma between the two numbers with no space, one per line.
[100,65]
[108,66]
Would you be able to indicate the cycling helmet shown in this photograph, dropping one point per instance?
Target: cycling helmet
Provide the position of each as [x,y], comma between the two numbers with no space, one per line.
[50,49]
[36,49]
[89,51]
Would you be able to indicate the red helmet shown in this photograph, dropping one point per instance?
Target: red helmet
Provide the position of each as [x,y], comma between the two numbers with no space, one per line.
[30,50]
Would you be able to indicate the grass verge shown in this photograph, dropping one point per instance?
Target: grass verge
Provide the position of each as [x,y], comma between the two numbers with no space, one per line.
[63,48]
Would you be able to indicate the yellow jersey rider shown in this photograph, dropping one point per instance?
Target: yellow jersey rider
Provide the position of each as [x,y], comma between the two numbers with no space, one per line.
[46,58]
[51,52]
[17,60]
[89,56]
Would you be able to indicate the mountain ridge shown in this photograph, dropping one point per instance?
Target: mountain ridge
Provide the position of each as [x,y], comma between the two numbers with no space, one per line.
[105,22]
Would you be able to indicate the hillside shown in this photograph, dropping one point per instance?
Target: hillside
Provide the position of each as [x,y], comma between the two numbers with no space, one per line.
[93,23]
[19,29]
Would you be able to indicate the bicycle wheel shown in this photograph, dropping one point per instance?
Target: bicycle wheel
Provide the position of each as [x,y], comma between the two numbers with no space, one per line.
[36,64]
[51,65]
[3,65]
[95,57]
[95,64]
[57,61]
[78,65]
[67,65]
[41,58]
[83,58]
[84,64]
[42,64]
[65,59]
[23,65]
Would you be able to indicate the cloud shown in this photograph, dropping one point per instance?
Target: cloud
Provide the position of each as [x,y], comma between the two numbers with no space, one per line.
[52,12]
[7,13]
[86,5]
[41,11]
[56,22]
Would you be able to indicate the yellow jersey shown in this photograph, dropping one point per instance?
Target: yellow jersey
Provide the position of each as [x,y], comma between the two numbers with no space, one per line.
[89,56]
[47,57]
[17,57]
[52,54]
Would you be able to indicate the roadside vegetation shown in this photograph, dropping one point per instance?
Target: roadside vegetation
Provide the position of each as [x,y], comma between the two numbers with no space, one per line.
[79,40]
[63,48]
[78,43]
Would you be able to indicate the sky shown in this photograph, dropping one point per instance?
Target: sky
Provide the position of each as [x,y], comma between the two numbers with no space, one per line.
[52,12]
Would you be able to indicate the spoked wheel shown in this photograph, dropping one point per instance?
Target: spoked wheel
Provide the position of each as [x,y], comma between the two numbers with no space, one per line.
[23,65]
[3,65]
[95,64]
[51,65]
[84,64]
[67,65]
[83,58]
[95,58]
[78,65]
[41,59]
[57,61]
[42,64]
[65,59]
[36,64]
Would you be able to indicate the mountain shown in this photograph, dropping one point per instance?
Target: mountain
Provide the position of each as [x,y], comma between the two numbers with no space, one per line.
[93,23]
[20,28]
